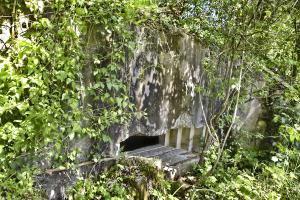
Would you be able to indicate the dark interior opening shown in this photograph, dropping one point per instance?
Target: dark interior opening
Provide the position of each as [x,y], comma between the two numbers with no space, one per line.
[24,25]
[135,142]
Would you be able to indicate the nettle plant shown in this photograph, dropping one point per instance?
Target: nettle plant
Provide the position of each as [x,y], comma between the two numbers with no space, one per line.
[57,85]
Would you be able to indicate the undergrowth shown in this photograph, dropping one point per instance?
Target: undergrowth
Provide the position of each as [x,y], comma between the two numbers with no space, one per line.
[235,180]
[128,179]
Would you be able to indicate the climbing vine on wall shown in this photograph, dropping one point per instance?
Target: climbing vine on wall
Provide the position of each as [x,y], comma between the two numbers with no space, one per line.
[58,84]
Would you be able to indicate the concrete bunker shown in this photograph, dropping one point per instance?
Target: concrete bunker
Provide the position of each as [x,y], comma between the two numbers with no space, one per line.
[177,150]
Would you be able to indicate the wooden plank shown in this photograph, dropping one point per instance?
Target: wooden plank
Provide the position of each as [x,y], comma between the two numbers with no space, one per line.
[172,153]
[143,149]
[179,137]
[183,167]
[174,159]
[191,158]
[154,152]
[177,156]
[191,139]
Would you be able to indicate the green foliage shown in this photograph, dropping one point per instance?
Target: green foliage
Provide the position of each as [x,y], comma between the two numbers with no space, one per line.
[128,179]
[262,38]
[234,180]
[57,85]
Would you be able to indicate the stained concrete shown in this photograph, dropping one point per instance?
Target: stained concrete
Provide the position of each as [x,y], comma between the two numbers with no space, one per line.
[165,71]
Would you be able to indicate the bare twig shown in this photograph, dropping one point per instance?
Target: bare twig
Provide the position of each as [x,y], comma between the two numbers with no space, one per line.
[221,149]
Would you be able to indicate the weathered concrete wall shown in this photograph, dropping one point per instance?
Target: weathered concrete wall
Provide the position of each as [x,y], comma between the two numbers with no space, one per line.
[165,71]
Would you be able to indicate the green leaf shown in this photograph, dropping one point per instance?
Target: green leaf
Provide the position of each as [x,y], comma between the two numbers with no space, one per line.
[1,148]
[81,11]
[45,22]
[65,96]
[268,13]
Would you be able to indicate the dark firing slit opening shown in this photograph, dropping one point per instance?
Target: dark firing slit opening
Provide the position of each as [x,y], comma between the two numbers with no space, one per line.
[135,142]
